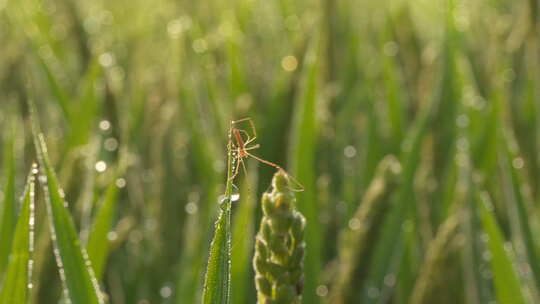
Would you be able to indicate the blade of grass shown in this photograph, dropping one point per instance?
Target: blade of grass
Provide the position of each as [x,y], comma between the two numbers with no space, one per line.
[428,117]
[16,286]
[98,243]
[243,232]
[60,94]
[8,208]
[80,284]
[193,256]
[507,285]
[446,110]
[395,95]
[218,273]
[470,256]
[302,156]
[518,214]
[85,110]
[217,282]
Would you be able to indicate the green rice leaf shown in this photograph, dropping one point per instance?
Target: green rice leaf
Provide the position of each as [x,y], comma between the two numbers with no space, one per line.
[243,232]
[8,208]
[78,278]
[16,286]
[507,285]
[60,94]
[87,108]
[218,274]
[98,244]
[302,156]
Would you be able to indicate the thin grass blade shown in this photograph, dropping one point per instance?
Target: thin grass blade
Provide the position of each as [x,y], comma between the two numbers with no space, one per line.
[60,94]
[507,285]
[98,243]
[302,156]
[217,281]
[72,260]
[217,288]
[16,286]
[8,208]
[243,231]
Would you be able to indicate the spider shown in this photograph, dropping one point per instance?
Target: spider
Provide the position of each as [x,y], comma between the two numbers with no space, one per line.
[240,149]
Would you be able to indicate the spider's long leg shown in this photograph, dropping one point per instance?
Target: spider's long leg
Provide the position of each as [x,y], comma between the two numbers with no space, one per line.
[242,119]
[257,146]
[252,125]
[300,187]
[246,177]
[264,161]
[244,168]
[248,138]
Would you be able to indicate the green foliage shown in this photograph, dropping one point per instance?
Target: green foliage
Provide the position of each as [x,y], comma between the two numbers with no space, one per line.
[218,273]
[242,249]
[135,99]
[217,281]
[507,285]
[98,243]
[8,207]
[18,279]
[75,270]
[302,155]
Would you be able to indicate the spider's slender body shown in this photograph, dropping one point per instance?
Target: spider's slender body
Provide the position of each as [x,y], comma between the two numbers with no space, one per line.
[241,147]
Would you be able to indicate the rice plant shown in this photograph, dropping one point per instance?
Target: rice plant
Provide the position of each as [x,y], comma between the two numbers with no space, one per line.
[413,128]
[280,246]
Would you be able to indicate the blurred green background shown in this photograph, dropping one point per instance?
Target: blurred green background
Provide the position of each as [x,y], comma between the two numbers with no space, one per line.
[136,97]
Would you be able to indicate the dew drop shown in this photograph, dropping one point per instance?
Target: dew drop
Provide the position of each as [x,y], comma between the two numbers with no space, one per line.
[174,28]
[518,163]
[354,224]
[486,256]
[191,208]
[120,183]
[235,196]
[349,151]
[111,144]
[112,236]
[165,291]
[322,291]
[101,166]
[390,280]
[106,60]
[104,125]
[289,63]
